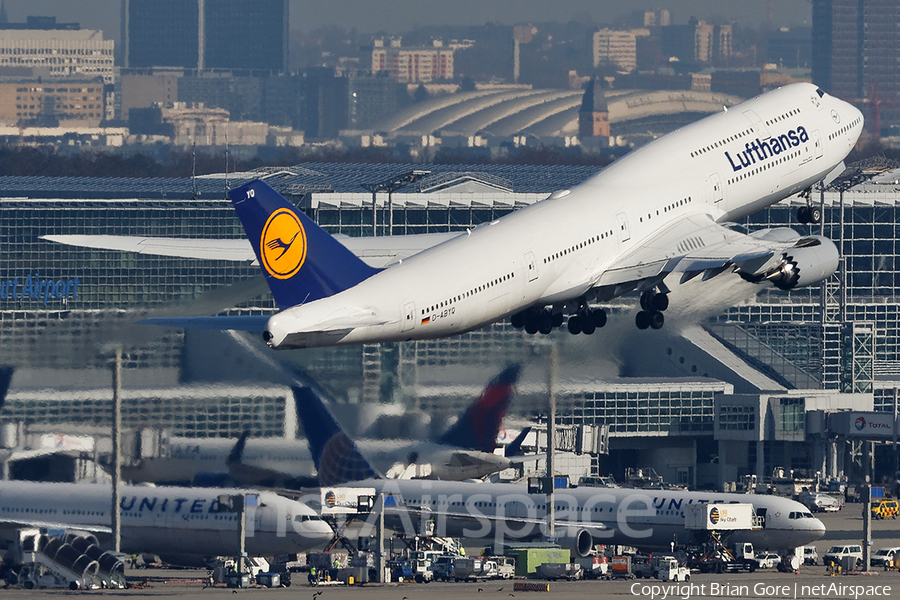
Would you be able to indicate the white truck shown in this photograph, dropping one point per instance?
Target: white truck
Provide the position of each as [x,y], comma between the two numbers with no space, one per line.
[670,570]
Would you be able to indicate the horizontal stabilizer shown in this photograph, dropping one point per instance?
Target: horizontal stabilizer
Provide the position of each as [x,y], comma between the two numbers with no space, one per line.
[251,323]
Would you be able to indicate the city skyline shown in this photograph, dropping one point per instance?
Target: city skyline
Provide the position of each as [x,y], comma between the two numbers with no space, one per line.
[365,16]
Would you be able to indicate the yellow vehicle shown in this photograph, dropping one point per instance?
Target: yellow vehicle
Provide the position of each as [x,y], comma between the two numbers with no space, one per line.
[882,509]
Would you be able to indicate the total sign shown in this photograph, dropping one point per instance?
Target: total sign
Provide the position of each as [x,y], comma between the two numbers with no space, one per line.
[863,424]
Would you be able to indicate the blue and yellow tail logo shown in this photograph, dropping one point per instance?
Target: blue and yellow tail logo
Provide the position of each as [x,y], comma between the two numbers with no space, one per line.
[282,246]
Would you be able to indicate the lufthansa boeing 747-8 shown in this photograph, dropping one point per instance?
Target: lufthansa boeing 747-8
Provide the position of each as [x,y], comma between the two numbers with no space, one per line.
[662,209]
[656,211]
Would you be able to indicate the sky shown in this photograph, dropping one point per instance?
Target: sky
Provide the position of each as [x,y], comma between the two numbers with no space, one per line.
[399,15]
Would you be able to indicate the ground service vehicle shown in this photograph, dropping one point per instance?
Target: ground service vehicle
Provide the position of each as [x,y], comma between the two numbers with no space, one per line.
[810,555]
[554,571]
[884,509]
[767,560]
[670,570]
[885,557]
[442,567]
[836,554]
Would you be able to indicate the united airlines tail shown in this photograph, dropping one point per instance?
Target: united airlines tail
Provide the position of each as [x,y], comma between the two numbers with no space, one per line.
[478,427]
[335,455]
[300,260]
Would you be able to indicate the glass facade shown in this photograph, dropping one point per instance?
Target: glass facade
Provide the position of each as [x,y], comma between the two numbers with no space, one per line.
[96,295]
[200,412]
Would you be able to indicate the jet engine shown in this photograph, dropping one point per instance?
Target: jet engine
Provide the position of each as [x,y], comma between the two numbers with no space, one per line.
[812,259]
[579,541]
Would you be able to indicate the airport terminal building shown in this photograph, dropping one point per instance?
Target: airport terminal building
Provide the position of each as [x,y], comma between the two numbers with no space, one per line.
[830,348]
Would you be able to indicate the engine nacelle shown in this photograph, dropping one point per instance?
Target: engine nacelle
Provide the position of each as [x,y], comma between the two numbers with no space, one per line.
[811,260]
[579,541]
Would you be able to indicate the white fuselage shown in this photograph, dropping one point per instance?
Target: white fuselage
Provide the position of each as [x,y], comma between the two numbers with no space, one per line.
[287,459]
[723,167]
[166,520]
[643,518]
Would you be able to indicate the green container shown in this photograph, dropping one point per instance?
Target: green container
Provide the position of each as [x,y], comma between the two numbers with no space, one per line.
[529,559]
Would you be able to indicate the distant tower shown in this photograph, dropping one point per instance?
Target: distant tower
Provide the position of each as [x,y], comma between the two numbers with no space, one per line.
[593,117]
[4,19]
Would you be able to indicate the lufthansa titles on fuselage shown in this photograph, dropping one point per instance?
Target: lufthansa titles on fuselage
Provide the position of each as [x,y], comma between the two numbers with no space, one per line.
[759,151]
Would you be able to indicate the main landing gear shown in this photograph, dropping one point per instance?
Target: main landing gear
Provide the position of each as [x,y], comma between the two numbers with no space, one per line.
[653,304]
[586,321]
[545,320]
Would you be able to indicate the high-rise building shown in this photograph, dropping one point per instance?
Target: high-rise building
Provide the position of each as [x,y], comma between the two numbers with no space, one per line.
[413,64]
[856,52]
[68,52]
[618,48]
[698,42]
[205,34]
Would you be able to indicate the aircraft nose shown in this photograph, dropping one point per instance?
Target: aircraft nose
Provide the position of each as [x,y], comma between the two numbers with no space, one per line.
[816,528]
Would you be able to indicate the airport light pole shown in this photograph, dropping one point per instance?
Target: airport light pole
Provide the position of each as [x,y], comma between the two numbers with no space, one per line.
[116,449]
[552,384]
[391,185]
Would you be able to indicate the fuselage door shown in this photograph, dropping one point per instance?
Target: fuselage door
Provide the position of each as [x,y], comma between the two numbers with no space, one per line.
[761,513]
[758,125]
[408,316]
[716,187]
[624,232]
[531,272]
[817,143]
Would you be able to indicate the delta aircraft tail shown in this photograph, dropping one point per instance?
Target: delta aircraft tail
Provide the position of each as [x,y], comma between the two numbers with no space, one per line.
[478,427]
[300,260]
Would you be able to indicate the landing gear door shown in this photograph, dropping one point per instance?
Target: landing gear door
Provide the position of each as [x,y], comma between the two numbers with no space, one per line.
[408,316]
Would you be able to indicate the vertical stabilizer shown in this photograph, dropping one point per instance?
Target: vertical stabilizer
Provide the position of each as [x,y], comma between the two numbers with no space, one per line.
[300,260]
[336,456]
[478,427]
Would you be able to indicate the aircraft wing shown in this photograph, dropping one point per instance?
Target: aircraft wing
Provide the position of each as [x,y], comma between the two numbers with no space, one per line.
[473,520]
[13,455]
[7,524]
[691,246]
[341,322]
[377,252]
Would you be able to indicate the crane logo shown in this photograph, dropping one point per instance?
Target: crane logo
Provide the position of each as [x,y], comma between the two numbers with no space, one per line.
[282,246]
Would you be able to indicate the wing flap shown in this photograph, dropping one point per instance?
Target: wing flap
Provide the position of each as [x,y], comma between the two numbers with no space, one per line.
[692,245]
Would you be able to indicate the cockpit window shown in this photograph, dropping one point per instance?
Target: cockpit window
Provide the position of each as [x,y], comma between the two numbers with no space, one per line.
[820,92]
[304,518]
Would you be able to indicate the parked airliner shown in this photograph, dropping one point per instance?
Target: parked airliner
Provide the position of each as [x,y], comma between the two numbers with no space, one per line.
[165,520]
[508,513]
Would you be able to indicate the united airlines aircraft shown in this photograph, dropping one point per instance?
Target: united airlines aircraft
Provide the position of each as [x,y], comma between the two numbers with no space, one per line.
[165,520]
